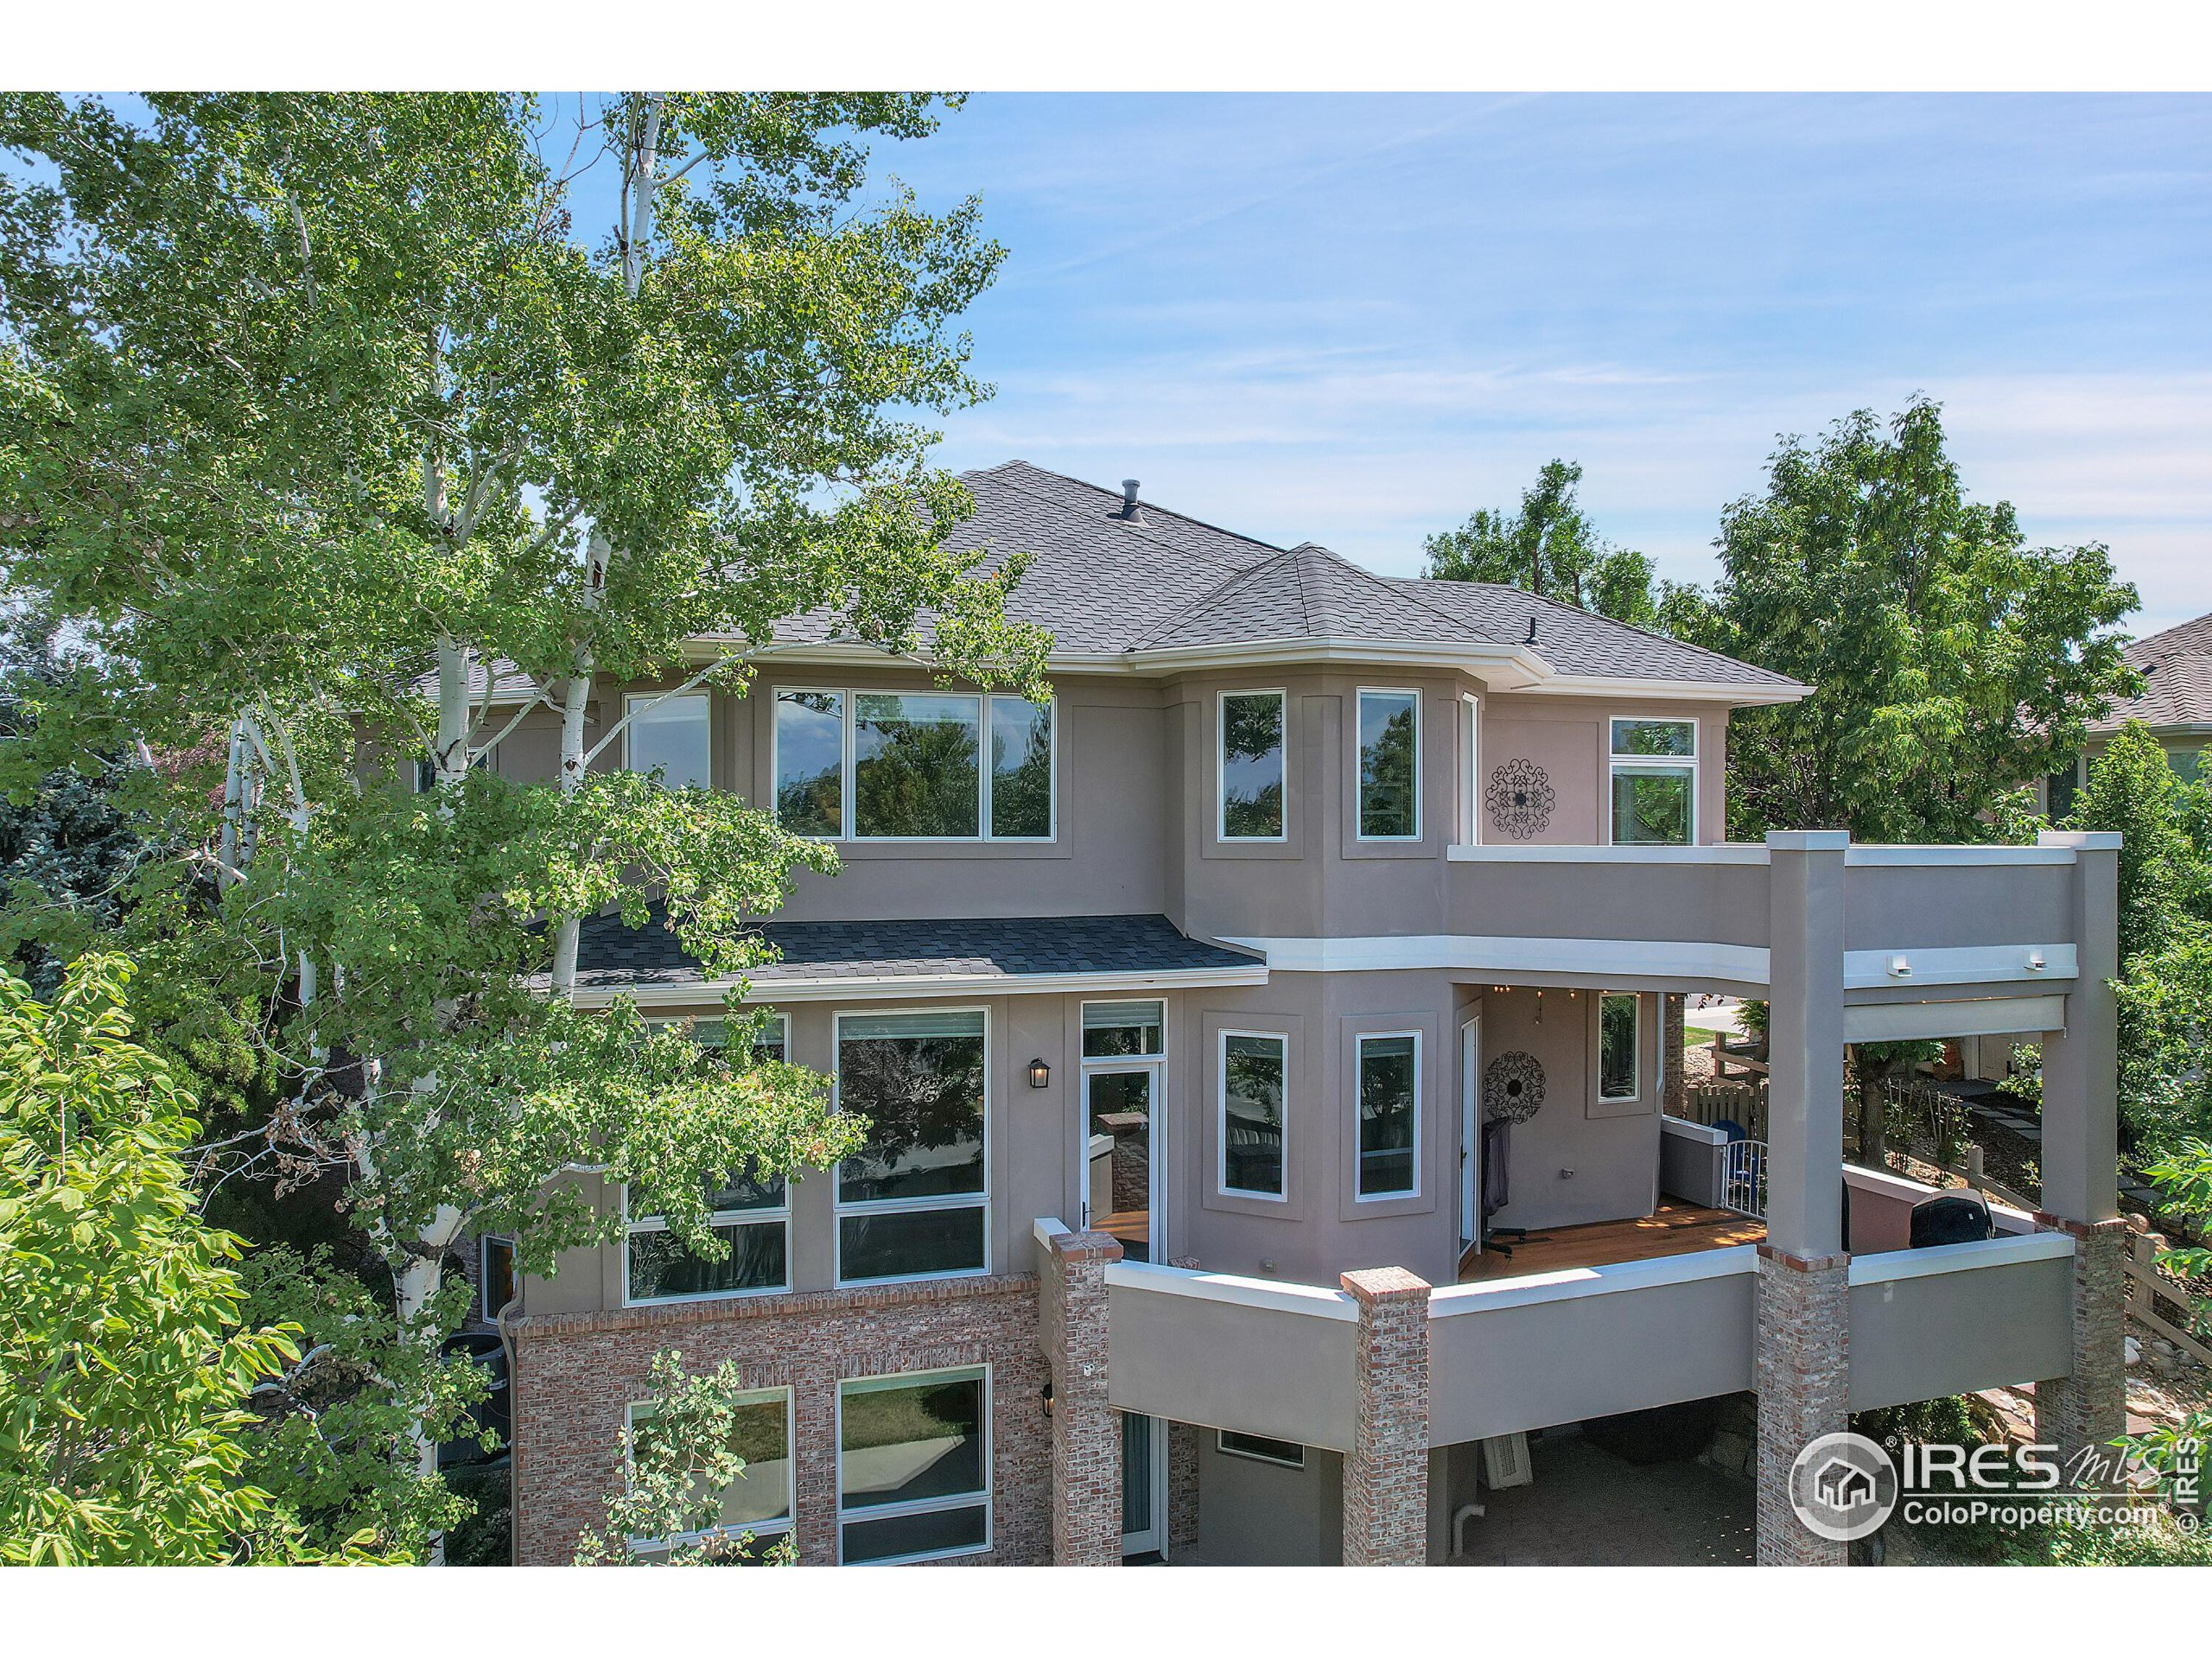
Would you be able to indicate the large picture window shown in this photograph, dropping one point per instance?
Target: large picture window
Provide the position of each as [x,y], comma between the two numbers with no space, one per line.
[913,765]
[913,1202]
[1255,1096]
[1389,1115]
[671,733]
[1389,766]
[914,1466]
[1619,1016]
[1654,783]
[1251,765]
[752,1218]
[759,1501]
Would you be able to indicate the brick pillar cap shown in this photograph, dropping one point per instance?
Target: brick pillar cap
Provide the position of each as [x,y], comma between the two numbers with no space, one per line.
[1085,1247]
[1371,1285]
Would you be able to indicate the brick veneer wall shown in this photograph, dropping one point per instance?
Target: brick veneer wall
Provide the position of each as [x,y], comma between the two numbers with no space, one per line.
[577,1374]
[1086,1431]
[2090,1407]
[1386,1474]
[1802,1373]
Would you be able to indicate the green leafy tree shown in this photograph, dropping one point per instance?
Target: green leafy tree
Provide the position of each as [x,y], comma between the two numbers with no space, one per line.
[322,417]
[680,1454]
[1550,548]
[126,1435]
[1948,660]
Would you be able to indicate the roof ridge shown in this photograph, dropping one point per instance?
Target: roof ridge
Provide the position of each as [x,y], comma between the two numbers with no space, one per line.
[1384,582]
[1204,602]
[1269,548]
[1614,621]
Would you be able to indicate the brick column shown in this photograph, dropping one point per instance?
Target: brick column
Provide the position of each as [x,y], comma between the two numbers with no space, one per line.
[1675,1087]
[1182,1488]
[1801,1369]
[1386,1472]
[1086,1431]
[2088,1409]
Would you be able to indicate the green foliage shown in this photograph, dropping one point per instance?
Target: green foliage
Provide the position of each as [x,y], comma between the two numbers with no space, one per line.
[1950,660]
[126,1439]
[1550,548]
[682,1450]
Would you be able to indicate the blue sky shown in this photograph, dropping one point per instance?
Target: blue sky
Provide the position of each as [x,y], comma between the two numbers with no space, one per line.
[1355,319]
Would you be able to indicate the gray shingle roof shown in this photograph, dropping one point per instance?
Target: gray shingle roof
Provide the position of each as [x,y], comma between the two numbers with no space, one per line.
[2177,685]
[1100,582]
[608,954]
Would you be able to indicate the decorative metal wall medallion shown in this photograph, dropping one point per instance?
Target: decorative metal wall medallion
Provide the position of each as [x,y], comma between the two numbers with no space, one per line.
[1520,799]
[1513,1088]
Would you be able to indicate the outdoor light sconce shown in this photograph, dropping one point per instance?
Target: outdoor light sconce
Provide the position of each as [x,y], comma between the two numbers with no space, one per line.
[1048,1400]
[2036,961]
[1040,1075]
[1900,968]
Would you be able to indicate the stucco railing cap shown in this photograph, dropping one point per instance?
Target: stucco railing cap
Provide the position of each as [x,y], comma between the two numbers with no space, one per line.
[1809,841]
[2090,841]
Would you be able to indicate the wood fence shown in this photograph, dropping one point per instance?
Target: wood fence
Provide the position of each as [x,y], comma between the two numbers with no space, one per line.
[1740,1103]
[2147,1287]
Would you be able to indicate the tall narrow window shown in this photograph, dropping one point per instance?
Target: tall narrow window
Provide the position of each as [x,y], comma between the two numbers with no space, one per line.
[1618,1015]
[1389,766]
[914,1466]
[1021,769]
[915,766]
[759,1501]
[670,734]
[1654,782]
[913,1202]
[1252,765]
[1389,1115]
[1254,1080]
[811,762]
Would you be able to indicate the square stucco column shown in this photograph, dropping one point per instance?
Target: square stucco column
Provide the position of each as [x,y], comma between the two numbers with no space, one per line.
[1804,1154]
[2088,1408]
[1386,1472]
[1086,1431]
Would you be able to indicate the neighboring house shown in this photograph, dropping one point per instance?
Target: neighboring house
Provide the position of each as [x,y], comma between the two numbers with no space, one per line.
[1263,1047]
[2176,703]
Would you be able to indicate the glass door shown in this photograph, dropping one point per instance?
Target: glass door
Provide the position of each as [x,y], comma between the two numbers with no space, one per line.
[1121,1174]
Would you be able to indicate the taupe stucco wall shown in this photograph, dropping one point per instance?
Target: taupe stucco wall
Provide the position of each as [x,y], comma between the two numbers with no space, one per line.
[1253,1514]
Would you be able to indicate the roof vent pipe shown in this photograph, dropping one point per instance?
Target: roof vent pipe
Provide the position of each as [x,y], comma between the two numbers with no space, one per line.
[1531,639]
[1129,499]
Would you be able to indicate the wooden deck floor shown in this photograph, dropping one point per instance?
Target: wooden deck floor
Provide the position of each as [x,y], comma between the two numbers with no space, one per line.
[1675,1228]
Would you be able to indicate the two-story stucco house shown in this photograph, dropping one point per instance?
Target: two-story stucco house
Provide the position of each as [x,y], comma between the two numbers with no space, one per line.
[1263,1049]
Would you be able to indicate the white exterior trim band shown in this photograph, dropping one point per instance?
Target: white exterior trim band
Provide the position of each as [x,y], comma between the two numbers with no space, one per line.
[1312,1299]
[1891,1266]
[877,987]
[1571,1283]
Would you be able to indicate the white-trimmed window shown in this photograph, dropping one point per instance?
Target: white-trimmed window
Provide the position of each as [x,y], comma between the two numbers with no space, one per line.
[1389,764]
[1124,1031]
[914,1465]
[1620,1045]
[495,1274]
[914,766]
[1389,1114]
[1284,1454]
[1654,782]
[914,1202]
[752,1218]
[1254,1100]
[759,1501]
[671,732]
[1251,765]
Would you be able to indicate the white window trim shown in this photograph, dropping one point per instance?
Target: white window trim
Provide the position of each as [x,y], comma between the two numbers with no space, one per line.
[987,1498]
[762,1530]
[1359,762]
[633,701]
[1360,1159]
[928,1201]
[1472,790]
[1221,1115]
[1221,765]
[1616,763]
[1220,1445]
[1597,1049]
[777,1215]
[1091,1061]
[848,827]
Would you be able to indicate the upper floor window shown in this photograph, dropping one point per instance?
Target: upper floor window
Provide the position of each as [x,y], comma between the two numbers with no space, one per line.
[915,1201]
[1255,1086]
[1113,1031]
[1389,766]
[1654,782]
[670,732]
[1619,1017]
[913,765]
[1389,1115]
[1251,765]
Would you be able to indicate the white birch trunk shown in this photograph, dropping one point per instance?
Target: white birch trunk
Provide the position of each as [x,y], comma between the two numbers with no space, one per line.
[233,798]
[451,756]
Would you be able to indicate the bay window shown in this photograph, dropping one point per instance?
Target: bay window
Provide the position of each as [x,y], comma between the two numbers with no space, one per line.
[1255,1089]
[1389,1115]
[1251,774]
[1654,779]
[902,765]
[913,1202]
[914,1465]
[1389,766]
